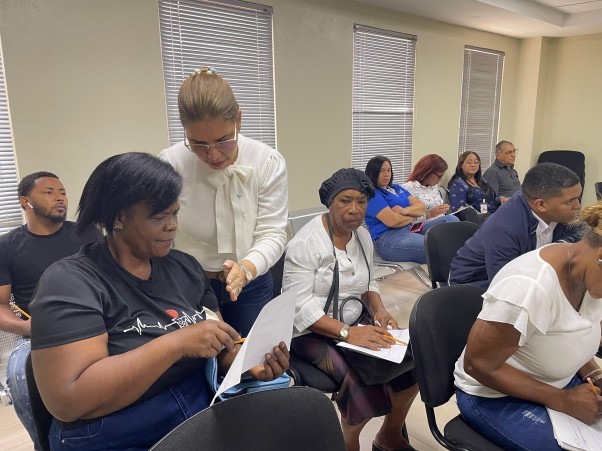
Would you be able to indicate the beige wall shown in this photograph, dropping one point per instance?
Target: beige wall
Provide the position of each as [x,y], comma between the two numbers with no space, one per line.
[573,103]
[85,82]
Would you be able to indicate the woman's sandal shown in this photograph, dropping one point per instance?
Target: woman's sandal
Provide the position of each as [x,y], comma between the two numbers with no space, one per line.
[375,447]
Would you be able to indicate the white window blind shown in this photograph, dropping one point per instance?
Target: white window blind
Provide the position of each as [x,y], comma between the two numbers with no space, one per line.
[383,98]
[481,90]
[235,38]
[10,209]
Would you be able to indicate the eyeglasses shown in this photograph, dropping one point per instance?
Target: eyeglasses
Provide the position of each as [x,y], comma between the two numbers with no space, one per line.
[472,162]
[439,176]
[225,146]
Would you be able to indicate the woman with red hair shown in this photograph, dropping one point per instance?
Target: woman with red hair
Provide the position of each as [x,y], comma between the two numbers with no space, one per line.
[423,183]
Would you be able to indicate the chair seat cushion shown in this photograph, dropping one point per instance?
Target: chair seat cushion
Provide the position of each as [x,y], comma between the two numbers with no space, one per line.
[304,373]
[457,431]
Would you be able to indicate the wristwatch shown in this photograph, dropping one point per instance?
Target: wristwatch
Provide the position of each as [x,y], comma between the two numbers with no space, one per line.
[344,332]
[248,273]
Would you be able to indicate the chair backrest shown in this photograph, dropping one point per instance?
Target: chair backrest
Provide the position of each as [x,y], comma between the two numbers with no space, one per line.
[295,418]
[572,159]
[7,344]
[41,417]
[297,219]
[439,325]
[441,245]
[598,187]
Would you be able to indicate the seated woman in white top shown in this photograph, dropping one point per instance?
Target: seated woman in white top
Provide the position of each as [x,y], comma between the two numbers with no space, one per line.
[333,242]
[423,184]
[533,344]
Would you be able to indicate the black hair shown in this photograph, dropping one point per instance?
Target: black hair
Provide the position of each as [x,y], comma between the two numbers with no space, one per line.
[120,182]
[547,180]
[483,185]
[373,170]
[26,184]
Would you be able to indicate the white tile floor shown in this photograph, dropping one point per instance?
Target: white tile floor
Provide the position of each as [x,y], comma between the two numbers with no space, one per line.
[399,293]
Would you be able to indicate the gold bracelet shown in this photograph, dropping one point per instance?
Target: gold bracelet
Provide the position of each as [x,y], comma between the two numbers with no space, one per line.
[596,378]
[597,370]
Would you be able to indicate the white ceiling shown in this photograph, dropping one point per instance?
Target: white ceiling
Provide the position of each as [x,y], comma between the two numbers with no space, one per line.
[516,18]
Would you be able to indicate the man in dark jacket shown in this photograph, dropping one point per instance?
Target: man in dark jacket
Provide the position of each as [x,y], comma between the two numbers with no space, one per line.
[536,216]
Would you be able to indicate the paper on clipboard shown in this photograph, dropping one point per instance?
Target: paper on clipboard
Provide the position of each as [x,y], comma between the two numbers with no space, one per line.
[572,434]
[273,325]
[395,353]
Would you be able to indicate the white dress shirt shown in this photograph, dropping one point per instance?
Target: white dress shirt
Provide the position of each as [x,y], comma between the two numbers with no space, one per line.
[236,213]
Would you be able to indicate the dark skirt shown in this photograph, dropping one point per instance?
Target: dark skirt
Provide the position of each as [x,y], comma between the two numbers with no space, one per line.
[356,401]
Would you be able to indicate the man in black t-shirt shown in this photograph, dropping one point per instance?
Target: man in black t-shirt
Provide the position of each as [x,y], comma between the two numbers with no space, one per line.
[25,253]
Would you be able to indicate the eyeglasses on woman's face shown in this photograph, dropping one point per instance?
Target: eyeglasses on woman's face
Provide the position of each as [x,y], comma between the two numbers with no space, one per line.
[439,176]
[224,147]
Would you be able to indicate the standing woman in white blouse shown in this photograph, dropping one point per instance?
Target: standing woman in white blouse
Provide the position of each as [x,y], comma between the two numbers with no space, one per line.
[234,202]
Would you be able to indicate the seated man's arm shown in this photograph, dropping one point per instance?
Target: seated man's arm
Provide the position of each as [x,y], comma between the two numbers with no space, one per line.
[499,247]
[9,321]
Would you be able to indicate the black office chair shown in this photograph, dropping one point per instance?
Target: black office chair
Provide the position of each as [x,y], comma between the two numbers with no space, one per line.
[598,187]
[41,416]
[572,159]
[295,418]
[441,244]
[439,325]
[302,373]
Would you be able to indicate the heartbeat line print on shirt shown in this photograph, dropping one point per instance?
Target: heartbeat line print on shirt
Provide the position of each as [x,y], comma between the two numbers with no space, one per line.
[181,322]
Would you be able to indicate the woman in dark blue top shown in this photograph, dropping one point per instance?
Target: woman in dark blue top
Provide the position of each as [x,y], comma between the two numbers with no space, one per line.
[467,187]
[395,218]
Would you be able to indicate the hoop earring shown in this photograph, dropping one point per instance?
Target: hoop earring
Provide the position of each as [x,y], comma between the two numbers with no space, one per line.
[117,228]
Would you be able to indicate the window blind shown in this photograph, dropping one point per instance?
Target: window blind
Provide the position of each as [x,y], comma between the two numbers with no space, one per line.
[480,112]
[10,209]
[235,38]
[383,98]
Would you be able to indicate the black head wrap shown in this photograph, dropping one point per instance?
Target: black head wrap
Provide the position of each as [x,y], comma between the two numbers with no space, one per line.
[345,179]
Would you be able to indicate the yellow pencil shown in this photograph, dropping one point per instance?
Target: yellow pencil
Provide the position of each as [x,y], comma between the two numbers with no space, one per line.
[591,385]
[241,341]
[22,312]
[396,339]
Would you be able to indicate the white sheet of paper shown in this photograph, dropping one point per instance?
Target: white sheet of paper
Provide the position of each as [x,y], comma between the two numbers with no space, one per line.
[395,353]
[273,325]
[570,433]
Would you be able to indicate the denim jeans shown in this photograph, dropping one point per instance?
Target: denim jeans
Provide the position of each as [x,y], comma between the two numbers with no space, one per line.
[242,314]
[401,245]
[17,384]
[139,426]
[511,423]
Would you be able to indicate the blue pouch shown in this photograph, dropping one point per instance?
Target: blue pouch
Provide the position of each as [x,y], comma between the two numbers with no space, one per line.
[245,386]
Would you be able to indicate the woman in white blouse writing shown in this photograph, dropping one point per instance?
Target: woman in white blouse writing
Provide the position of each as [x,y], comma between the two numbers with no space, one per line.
[533,343]
[337,237]
[234,202]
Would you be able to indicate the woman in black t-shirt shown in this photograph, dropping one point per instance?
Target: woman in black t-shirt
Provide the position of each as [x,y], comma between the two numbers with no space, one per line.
[120,338]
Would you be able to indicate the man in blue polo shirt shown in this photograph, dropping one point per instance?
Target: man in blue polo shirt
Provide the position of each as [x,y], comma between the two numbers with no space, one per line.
[536,216]
[501,175]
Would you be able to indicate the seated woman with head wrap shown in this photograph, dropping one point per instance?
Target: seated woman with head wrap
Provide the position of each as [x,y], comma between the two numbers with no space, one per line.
[120,332]
[337,240]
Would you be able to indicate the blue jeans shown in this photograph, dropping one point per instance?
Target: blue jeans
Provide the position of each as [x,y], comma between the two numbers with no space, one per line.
[242,314]
[401,245]
[17,384]
[137,427]
[511,423]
